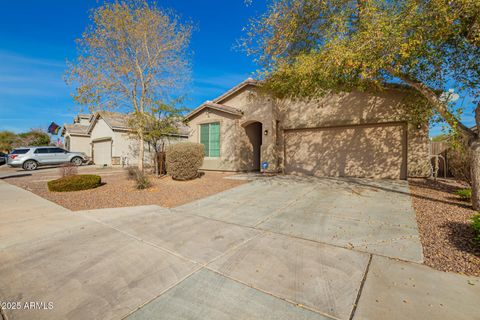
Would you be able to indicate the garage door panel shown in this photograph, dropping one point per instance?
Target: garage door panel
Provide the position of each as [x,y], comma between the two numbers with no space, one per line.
[102,153]
[375,151]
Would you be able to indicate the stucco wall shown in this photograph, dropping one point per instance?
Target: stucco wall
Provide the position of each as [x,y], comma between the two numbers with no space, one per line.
[84,121]
[359,108]
[124,145]
[276,115]
[101,130]
[255,107]
[229,159]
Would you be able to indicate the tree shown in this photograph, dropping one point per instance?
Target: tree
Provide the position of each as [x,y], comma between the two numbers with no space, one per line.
[158,125]
[310,47]
[34,137]
[131,56]
[7,140]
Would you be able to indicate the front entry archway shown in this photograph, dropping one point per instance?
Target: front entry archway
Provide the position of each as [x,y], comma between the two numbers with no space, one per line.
[254,134]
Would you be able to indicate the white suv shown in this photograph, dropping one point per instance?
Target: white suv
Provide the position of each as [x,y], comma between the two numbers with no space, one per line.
[30,158]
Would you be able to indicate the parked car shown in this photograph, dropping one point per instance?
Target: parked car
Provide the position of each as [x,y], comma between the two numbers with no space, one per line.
[30,158]
[3,158]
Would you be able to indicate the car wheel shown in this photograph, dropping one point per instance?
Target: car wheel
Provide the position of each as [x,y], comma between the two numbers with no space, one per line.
[30,165]
[77,161]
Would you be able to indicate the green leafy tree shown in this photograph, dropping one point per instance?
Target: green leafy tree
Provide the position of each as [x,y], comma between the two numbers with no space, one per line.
[132,56]
[310,47]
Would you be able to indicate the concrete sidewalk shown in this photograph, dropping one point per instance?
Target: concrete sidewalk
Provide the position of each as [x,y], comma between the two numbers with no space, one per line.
[154,263]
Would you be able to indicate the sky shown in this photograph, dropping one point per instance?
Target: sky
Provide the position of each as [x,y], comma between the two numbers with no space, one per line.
[37,37]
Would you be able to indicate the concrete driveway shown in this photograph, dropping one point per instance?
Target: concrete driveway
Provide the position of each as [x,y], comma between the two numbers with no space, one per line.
[277,248]
[374,216]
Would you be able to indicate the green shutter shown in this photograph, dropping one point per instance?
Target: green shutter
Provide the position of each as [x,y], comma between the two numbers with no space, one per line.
[214,139]
[204,137]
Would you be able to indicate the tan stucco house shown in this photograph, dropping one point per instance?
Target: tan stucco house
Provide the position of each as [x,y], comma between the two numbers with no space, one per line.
[346,134]
[106,138]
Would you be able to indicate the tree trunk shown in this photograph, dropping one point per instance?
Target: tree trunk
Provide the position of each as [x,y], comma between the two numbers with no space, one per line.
[472,136]
[141,152]
[475,174]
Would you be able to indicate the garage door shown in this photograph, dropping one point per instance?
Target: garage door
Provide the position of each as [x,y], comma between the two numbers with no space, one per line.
[102,152]
[374,151]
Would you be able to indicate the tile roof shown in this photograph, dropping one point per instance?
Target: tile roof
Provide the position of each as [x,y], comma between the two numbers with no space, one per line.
[75,128]
[115,120]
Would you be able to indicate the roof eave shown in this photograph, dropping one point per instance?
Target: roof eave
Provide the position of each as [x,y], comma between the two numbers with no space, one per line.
[205,105]
[238,87]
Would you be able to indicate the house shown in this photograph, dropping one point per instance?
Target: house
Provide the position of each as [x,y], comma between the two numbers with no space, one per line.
[353,134]
[76,137]
[107,139]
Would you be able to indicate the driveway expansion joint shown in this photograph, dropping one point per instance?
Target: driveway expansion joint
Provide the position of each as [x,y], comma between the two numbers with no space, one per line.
[298,305]
[163,292]
[359,294]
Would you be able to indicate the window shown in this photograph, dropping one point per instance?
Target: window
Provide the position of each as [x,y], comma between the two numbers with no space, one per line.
[210,138]
[56,150]
[20,151]
[41,150]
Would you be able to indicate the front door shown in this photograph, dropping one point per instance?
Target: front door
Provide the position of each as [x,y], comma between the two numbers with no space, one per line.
[254,134]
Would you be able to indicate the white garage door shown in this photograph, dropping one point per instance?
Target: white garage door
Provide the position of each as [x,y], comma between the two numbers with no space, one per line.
[374,151]
[102,152]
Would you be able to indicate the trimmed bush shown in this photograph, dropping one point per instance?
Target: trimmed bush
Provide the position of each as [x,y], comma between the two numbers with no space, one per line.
[464,194]
[75,183]
[184,159]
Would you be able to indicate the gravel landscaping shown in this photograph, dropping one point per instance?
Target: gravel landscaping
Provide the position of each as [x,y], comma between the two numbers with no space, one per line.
[118,191]
[444,225]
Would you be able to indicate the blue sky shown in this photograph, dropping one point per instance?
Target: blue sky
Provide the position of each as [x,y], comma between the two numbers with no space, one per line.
[36,38]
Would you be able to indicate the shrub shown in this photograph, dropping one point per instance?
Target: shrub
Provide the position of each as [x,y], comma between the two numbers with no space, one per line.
[184,159]
[464,194]
[67,169]
[75,183]
[132,173]
[459,160]
[143,182]
[141,179]
[476,226]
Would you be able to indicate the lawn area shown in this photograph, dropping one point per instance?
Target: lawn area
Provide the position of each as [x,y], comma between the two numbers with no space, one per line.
[118,191]
[444,225]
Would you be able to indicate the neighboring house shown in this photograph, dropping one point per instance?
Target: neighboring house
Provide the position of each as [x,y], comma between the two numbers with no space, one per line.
[106,138]
[347,134]
[76,137]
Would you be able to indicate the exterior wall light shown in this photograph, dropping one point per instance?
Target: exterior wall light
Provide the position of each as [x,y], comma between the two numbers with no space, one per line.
[265,132]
